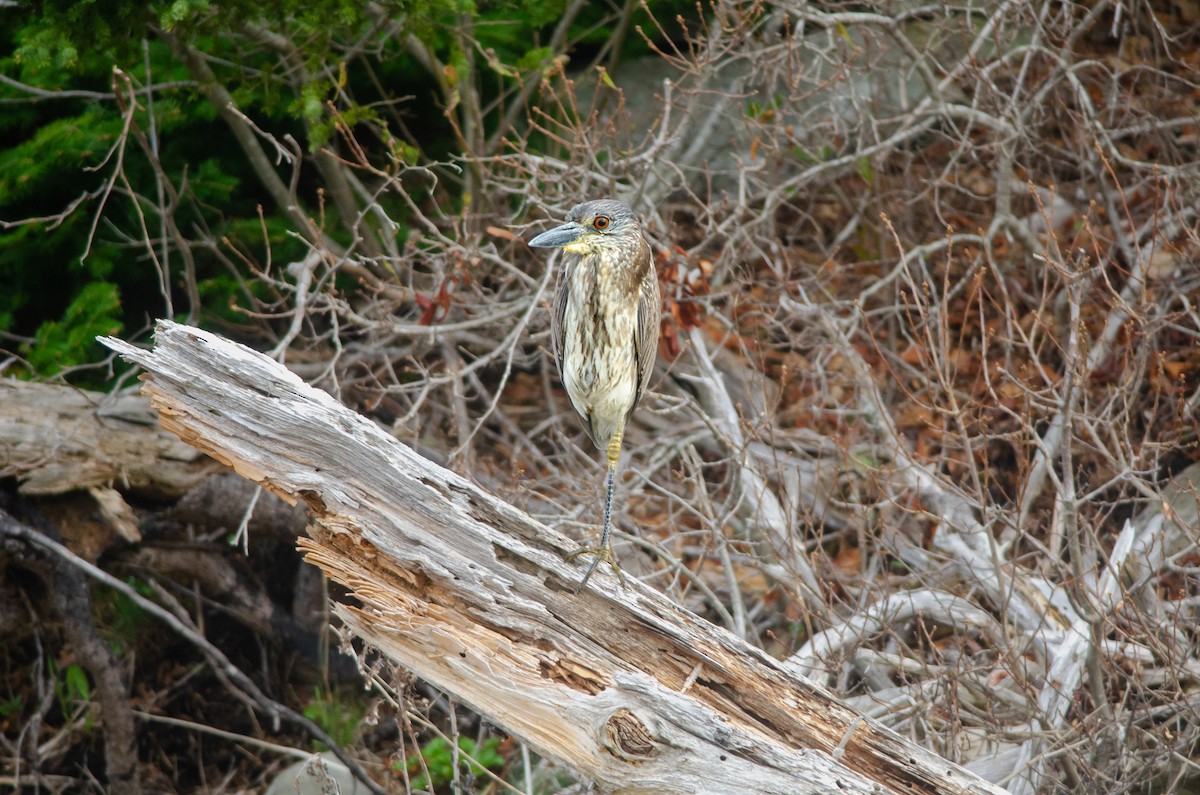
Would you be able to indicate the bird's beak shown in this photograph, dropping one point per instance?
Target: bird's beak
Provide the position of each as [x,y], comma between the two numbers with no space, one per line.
[560,236]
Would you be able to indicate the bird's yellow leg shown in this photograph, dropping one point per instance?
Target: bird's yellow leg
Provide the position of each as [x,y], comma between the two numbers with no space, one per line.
[614,448]
[603,552]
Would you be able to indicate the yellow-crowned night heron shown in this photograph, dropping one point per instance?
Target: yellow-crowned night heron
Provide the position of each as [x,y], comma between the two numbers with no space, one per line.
[605,329]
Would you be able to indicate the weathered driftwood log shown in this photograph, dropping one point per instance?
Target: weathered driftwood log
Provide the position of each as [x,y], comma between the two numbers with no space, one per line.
[477,598]
[56,439]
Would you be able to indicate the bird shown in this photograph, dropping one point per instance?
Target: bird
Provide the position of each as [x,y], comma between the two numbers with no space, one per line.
[604,324]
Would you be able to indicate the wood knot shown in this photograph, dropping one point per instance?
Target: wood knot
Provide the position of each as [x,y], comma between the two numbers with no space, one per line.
[628,738]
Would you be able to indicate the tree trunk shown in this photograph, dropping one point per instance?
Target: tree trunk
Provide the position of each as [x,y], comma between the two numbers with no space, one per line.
[477,598]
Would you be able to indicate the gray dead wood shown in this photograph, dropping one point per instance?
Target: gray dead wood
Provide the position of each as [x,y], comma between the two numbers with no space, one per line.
[56,439]
[476,597]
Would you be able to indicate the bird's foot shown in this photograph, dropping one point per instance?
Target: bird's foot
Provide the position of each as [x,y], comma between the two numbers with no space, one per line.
[603,555]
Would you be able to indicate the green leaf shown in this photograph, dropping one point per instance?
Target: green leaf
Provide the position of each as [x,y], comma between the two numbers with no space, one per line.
[71,340]
[532,59]
[864,462]
[11,706]
[78,687]
[865,171]
[439,760]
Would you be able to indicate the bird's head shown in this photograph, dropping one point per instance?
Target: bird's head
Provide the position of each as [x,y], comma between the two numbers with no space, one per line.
[592,226]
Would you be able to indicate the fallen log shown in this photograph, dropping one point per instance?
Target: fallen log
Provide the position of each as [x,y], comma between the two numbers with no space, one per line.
[477,598]
[56,439]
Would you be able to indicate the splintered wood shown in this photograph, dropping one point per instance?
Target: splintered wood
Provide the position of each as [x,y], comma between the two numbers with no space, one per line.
[477,598]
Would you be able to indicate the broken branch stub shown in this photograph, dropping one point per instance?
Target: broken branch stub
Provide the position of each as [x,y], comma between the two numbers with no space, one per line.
[477,598]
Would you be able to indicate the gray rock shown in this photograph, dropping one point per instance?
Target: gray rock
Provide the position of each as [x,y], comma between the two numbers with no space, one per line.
[321,774]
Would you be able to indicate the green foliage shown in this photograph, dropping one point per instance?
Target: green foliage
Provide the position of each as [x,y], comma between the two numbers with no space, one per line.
[863,461]
[72,339]
[532,59]
[439,759]
[11,706]
[119,618]
[863,166]
[58,149]
[48,49]
[173,14]
[71,689]
[810,158]
[336,715]
[762,112]
[60,35]
[89,198]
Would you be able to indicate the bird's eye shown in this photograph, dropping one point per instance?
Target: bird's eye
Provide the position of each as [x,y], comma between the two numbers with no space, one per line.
[601,222]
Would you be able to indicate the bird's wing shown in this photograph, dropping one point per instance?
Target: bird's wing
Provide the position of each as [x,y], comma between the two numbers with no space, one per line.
[645,342]
[558,334]
[559,310]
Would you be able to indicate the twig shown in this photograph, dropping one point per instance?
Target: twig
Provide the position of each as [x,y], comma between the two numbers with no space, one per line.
[14,529]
